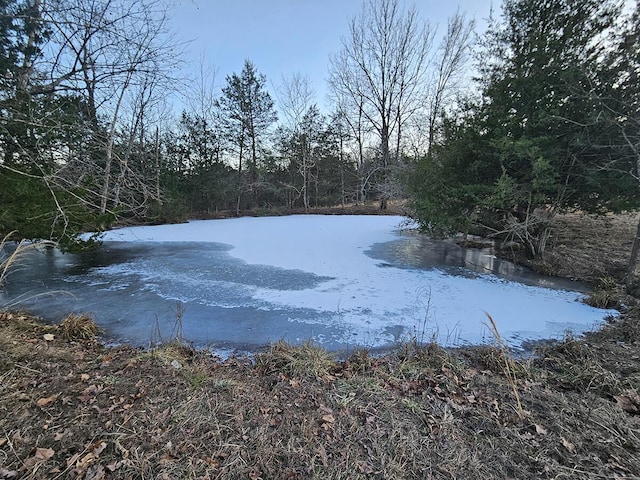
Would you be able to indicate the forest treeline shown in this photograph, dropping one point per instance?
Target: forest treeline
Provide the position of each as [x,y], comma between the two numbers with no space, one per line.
[493,133]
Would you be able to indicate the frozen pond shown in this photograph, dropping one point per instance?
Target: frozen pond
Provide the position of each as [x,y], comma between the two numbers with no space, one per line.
[341,280]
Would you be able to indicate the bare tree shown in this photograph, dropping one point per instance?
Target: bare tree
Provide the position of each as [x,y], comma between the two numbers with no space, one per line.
[295,97]
[124,54]
[451,59]
[112,59]
[383,64]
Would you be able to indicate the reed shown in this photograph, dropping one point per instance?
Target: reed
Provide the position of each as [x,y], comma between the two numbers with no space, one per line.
[507,363]
[10,258]
[7,260]
[79,327]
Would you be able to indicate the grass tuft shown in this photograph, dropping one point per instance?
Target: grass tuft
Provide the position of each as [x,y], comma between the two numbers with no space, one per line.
[577,365]
[79,327]
[360,361]
[607,294]
[306,360]
[172,351]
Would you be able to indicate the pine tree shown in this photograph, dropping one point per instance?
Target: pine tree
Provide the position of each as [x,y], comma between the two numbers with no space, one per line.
[247,113]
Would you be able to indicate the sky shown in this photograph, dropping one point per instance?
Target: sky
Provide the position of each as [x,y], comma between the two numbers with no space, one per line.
[283,37]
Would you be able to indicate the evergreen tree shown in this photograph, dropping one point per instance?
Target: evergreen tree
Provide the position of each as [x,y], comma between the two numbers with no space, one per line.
[525,151]
[247,113]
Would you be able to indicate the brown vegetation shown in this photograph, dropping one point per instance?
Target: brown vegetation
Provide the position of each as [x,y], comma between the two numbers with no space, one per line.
[80,410]
[588,247]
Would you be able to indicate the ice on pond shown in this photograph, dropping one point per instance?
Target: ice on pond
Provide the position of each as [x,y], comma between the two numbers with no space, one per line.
[341,280]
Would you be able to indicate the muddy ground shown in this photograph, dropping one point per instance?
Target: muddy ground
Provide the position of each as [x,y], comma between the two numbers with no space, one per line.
[72,408]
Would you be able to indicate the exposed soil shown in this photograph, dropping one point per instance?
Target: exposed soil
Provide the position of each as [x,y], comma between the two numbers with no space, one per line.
[72,408]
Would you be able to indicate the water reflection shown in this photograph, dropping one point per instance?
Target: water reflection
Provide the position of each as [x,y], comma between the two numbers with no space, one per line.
[417,251]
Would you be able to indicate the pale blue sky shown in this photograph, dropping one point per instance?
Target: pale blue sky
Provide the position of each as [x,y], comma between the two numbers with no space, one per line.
[282,37]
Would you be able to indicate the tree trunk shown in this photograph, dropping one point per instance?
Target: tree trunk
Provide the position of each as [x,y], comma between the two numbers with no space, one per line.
[341,173]
[305,180]
[157,163]
[240,176]
[630,278]
[109,150]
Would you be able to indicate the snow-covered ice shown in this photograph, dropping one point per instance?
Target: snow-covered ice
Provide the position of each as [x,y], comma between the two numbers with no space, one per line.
[358,298]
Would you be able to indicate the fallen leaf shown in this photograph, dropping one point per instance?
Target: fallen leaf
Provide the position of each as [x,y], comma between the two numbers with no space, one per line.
[568,445]
[48,337]
[41,455]
[540,430]
[43,402]
[96,472]
[4,473]
[212,462]
[98,448]
[365,468]
[89,392]
[325,409]
[86,461]
[255,474]
[113,466]
[141,393]
[72,459]
[328,418]
[84,377]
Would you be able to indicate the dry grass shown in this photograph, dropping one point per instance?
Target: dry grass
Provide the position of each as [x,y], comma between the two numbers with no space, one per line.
[307,360]
[590,247]
[608,293]
[79,410]
[507,363]
[296,412]
[79,327]
[10,257]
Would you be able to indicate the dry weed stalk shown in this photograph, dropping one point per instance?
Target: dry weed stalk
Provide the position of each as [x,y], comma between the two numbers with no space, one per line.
[9,260]
[6,262]
[509,365]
